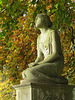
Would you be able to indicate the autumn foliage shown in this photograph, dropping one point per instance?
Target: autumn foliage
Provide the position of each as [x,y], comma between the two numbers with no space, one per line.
[18,36]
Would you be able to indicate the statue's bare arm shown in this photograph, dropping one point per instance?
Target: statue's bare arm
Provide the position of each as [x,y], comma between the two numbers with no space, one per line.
[39,56]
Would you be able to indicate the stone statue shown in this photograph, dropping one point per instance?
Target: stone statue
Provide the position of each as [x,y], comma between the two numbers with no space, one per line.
[49,63]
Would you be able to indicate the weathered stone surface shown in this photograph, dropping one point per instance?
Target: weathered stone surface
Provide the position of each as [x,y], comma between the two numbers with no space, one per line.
[43,91]
[49,63]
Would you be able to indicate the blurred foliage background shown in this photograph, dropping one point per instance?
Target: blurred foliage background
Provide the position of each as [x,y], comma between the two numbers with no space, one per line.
[18,38]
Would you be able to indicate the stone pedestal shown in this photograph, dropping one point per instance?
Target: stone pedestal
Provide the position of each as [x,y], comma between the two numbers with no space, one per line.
[44,91]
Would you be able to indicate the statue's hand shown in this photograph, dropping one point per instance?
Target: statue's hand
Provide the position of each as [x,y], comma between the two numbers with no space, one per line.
[32,64]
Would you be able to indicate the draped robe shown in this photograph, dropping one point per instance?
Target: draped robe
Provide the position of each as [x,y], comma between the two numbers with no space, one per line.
[48,71]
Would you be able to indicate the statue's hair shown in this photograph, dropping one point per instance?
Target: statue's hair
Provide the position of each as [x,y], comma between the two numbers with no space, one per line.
[45,18]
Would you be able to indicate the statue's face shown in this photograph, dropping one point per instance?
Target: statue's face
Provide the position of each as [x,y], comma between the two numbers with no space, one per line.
[38,22]
[42,21]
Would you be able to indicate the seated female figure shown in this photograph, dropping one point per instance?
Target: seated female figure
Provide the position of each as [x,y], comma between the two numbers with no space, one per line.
[49,63]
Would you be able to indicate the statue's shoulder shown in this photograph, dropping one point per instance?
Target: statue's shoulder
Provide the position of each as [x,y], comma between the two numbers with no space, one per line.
[51,31]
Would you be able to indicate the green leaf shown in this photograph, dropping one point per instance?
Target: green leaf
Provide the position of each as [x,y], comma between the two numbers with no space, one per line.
[7,38]
[30,24]
[36,11]
[4,25]
[72,4]
[0,2]
[3,34]
[71,24]
[34,1]
[12,33]
[5,2]
[0,8]
[69,1]
[56,5]
[19,0]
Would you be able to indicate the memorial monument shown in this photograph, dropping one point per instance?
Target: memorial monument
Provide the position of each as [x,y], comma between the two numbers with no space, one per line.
[43,77]
[49,63]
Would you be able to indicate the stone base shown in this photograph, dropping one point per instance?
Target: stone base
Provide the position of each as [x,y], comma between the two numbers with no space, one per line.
[44,91]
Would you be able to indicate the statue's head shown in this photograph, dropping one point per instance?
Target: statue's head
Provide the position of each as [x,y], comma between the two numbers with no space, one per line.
[42,20]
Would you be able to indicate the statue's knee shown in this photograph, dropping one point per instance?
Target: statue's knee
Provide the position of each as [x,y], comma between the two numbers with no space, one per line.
[28,73]
[23,74]
[29,70]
